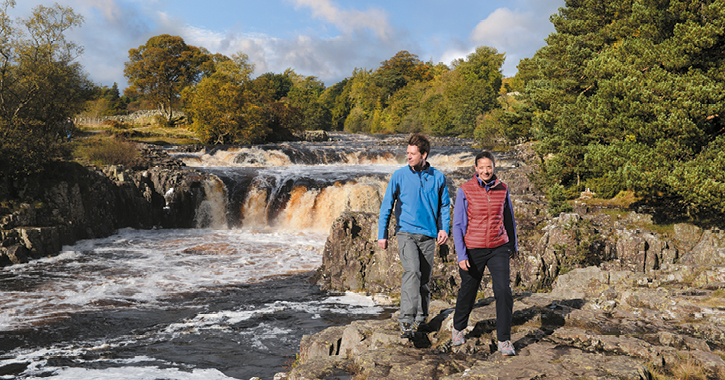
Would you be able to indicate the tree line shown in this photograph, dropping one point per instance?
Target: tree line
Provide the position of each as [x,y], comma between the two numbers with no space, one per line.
[626,95]
[226,105]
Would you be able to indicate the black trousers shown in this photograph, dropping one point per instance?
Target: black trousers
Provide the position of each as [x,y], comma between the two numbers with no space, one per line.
[497,261]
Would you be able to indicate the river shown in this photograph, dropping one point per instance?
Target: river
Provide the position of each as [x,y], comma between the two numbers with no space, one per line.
[229,299]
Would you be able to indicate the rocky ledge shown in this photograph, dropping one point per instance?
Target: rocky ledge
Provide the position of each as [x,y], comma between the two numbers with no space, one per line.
[73,202]
[594,324]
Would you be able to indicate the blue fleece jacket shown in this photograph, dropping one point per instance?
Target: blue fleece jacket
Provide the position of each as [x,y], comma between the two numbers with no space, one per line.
[422,204]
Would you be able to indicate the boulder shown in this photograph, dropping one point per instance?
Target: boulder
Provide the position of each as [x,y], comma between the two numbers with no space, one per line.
[709,251]
[352,260]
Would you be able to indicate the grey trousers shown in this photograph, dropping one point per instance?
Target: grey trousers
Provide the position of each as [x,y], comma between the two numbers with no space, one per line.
[416,254]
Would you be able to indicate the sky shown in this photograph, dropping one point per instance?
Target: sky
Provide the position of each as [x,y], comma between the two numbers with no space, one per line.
[327,39]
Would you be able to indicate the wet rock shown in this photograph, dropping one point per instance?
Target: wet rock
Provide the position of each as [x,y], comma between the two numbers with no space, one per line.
[13,368]
[40,241]
[72,202]
[315,136]
[15,254]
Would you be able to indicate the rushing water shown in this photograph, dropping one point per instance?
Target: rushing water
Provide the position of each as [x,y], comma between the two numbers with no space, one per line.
[228,300]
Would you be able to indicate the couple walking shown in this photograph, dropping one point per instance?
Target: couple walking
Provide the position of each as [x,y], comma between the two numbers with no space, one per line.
[484,232]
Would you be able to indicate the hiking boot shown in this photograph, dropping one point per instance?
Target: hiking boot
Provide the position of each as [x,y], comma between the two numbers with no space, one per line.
[506,348]
[421,327]
[457,338]
[406,330]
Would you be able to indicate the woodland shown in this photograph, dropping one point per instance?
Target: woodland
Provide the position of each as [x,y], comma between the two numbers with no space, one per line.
[626,98]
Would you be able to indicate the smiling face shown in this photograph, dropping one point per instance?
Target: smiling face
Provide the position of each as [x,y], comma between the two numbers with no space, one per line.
[415,158]
[485,168]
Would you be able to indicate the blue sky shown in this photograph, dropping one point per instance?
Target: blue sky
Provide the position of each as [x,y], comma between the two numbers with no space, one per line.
[324,38]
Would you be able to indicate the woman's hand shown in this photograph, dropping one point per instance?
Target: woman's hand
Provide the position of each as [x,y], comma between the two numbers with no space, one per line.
[463,264]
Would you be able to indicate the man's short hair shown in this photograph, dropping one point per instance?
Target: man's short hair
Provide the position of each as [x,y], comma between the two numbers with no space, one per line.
[422,142]
[485,154]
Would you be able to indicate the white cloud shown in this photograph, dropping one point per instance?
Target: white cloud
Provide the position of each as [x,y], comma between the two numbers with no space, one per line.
[362,38]
[120,26]
[507,29]
[349,21]
[518,34]
[230,43]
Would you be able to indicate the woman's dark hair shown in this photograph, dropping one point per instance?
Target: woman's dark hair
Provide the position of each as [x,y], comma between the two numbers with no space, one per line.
[485,154]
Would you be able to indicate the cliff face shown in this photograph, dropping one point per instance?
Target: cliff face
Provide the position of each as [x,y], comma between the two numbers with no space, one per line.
[598,294]
[73,202]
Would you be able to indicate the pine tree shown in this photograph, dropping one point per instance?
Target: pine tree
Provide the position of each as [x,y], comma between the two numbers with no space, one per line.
[627,90]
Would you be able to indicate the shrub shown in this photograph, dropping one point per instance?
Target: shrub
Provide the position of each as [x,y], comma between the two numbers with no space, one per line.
[558,200]
[115,124]
[109,151]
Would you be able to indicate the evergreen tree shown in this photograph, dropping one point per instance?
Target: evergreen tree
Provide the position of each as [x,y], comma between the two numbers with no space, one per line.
[624,91]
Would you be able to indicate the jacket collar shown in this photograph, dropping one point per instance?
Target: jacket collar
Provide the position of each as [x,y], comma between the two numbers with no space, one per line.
[487,185]
[426,167]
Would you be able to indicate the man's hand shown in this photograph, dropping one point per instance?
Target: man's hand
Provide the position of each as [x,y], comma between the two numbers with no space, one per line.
[383,243]
[463,264]
[442,237]
[513,253]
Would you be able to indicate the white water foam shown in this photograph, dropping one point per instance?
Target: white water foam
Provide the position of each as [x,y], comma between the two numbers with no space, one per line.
[139,367]
[141,268]
[353,162]
[355,304]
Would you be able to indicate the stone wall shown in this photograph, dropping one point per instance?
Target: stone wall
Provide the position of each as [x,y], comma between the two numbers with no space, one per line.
[131,118]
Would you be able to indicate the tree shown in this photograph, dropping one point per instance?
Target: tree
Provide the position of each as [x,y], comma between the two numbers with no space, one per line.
[41,86]
[336,98]
[305,95]
[222,107]
[159,70]
[363,96]
[626,90]
[402,69]
[281,83]
[105,102]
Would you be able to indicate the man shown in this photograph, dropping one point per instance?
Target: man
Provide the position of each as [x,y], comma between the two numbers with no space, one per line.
[484,231]
[420,196]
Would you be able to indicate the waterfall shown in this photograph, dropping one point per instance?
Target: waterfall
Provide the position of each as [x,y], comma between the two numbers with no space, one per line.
[316,209]
[307,208]
[212,212]
[303,186]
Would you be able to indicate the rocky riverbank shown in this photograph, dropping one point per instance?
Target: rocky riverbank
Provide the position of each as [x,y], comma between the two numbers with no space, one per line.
[73,202]
[601,293]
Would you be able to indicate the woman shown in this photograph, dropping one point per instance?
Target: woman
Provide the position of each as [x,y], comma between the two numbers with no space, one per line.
[484,231]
